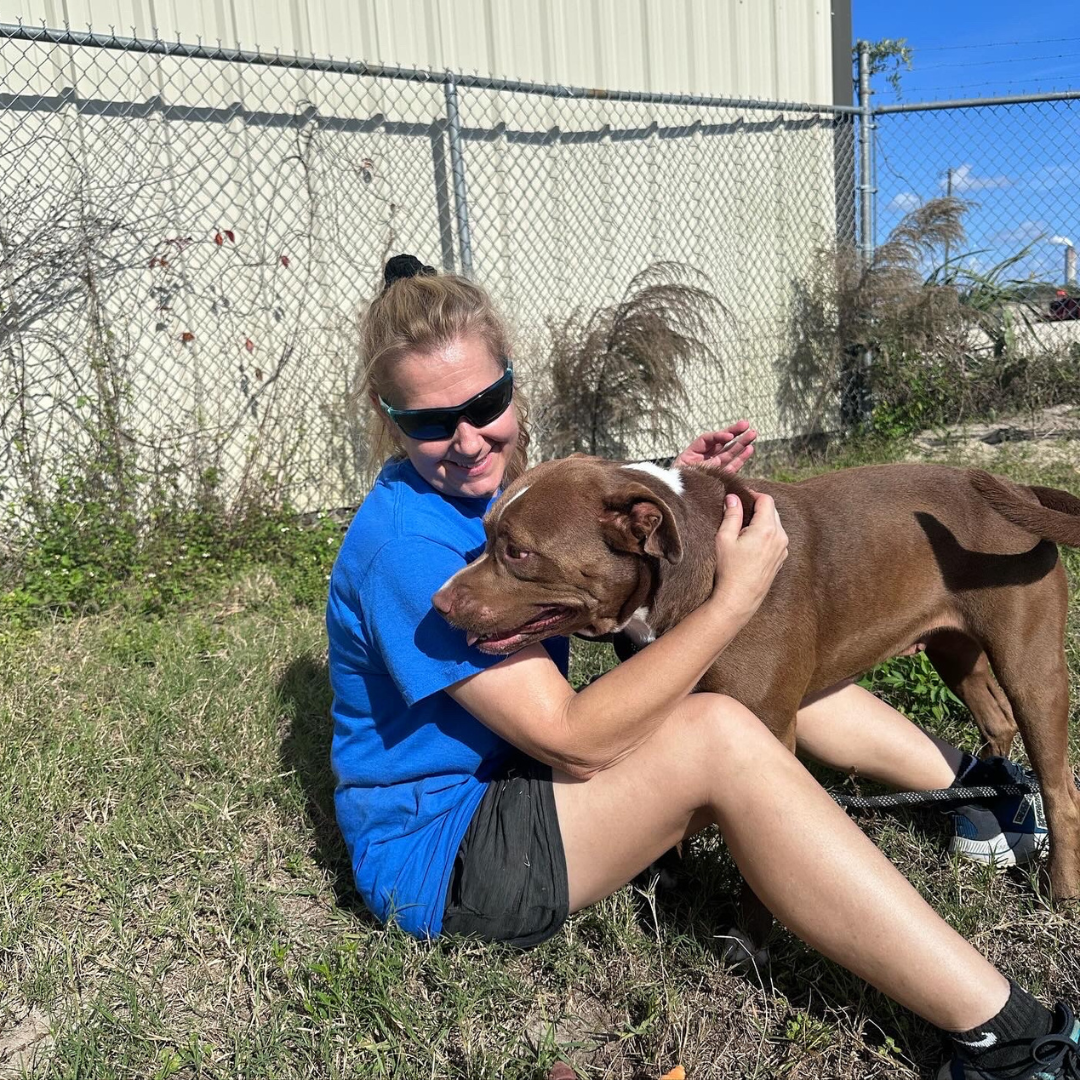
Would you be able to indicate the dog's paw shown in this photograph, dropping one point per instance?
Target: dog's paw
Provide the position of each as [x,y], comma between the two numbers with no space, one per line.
[737,951]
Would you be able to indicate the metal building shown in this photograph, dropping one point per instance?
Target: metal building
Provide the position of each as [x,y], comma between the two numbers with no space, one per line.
[234,212]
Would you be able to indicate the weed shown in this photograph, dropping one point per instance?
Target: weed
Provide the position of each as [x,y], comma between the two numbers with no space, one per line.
[918,339]
[616,375]
[82,555]
[912,685]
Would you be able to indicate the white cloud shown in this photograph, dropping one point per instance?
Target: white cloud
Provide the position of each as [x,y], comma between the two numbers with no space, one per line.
[904,203]
[964,179]
[1022,234]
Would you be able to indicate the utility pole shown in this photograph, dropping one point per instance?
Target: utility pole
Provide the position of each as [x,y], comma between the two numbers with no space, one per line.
[948,194]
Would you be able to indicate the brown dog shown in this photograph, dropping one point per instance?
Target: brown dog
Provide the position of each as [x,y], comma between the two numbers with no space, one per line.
[881,559]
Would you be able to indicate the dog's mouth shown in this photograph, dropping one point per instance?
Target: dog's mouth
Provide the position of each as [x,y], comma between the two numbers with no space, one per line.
[543,624]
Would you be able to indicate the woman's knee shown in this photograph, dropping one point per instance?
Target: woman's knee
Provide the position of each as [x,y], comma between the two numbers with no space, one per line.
[721,729]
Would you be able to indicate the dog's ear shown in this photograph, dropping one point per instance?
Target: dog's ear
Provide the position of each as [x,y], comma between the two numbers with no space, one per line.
[637,520]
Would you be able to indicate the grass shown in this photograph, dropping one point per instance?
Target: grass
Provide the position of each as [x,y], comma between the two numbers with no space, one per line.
[175,901]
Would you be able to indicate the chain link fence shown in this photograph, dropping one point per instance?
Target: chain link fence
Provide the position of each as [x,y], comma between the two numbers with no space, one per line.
[993,327]
[1016,164]
[187,236]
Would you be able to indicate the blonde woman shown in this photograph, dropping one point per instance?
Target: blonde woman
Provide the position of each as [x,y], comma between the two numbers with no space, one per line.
[481,795]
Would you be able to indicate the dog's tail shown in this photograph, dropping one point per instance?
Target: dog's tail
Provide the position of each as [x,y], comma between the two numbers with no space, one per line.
[1056,516]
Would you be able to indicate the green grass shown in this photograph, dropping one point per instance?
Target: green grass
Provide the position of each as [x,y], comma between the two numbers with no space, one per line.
[175,900]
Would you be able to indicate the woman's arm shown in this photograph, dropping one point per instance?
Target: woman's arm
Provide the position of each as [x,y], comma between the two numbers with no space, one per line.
[526,700]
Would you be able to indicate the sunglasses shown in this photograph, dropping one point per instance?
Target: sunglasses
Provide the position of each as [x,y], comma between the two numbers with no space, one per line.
[427,425]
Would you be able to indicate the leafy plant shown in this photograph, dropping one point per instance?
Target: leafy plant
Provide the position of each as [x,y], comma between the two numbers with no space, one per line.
[616,375]
[84,554]
[889,57]
[912,685]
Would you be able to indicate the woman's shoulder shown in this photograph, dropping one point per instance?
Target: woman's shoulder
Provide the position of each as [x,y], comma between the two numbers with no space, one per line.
[401,506]
[402,528]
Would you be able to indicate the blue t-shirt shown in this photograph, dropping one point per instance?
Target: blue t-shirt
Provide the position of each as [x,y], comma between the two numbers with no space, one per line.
[411,764]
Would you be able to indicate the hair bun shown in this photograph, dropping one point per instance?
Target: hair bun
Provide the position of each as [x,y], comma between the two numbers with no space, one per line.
[404,266]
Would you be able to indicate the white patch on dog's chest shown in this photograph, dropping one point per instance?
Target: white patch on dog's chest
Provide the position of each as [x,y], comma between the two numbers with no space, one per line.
[670,477]
[638,629]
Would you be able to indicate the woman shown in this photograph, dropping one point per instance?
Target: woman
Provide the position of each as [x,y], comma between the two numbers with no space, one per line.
[481,795]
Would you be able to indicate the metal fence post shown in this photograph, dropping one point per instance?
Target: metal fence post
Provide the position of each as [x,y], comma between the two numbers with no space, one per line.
[857,407]
[866,158]
[457,167]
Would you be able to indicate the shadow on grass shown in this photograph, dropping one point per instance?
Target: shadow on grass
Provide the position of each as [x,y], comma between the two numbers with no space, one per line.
[304,692]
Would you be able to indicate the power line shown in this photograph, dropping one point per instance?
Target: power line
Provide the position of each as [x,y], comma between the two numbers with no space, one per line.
[1009,60]
[994,44]
[1065,79]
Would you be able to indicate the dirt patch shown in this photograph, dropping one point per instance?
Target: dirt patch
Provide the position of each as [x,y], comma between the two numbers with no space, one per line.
[24,1046]
[1047,437]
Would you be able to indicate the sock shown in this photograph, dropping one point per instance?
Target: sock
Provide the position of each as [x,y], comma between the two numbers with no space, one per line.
[1004,1041]
[966,764]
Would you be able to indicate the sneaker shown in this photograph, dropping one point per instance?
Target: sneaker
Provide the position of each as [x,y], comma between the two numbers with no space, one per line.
[1007,831]
[1052,1057]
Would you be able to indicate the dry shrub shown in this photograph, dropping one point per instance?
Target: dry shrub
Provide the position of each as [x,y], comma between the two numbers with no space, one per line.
[925,348]
[615,376]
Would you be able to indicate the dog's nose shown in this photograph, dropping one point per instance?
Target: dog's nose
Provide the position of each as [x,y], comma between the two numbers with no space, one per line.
[443,600]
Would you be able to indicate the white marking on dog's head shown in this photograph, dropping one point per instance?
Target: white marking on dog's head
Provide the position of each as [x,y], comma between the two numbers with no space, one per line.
[517,495]
[670,477]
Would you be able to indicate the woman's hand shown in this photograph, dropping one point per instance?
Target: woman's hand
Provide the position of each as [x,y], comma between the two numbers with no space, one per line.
[726,450]
[747,560]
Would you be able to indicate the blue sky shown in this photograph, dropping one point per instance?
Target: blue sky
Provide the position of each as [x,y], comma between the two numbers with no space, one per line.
[974,50]
[1020,164]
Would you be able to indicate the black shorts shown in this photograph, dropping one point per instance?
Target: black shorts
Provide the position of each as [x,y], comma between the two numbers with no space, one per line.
[509,878]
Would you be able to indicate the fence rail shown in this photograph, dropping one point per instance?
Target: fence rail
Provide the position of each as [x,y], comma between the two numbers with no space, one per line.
[188,231]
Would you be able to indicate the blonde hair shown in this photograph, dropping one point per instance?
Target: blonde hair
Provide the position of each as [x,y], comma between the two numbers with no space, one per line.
[419,315]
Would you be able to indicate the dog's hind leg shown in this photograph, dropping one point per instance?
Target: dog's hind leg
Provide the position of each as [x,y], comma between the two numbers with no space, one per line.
[965,670]
[1025,643]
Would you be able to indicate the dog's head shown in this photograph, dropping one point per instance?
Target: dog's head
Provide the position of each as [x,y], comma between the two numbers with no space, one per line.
[573,546]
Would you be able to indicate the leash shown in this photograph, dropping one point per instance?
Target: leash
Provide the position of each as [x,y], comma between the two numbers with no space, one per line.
[941,796]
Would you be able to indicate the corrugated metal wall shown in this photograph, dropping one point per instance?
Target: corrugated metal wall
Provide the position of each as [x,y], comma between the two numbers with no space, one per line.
[240,355]
[776,50]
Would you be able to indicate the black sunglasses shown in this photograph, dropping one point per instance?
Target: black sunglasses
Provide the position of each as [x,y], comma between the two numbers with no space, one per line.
[427,425]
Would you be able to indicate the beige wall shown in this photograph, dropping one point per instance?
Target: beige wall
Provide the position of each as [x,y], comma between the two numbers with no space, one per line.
[775,50]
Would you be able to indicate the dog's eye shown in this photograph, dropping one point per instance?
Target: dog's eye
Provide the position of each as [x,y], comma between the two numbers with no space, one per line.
[516,554]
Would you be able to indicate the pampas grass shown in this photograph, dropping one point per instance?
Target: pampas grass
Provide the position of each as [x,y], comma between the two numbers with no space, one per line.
[616,375]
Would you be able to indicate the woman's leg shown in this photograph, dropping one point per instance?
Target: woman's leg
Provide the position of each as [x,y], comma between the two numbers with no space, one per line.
[849,729]
[713,761]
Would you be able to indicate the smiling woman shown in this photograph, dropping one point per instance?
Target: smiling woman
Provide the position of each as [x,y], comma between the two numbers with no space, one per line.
[479,795]
[412,763]
[438,379]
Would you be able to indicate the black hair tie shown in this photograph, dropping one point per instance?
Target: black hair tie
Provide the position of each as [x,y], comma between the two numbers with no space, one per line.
[404,266]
